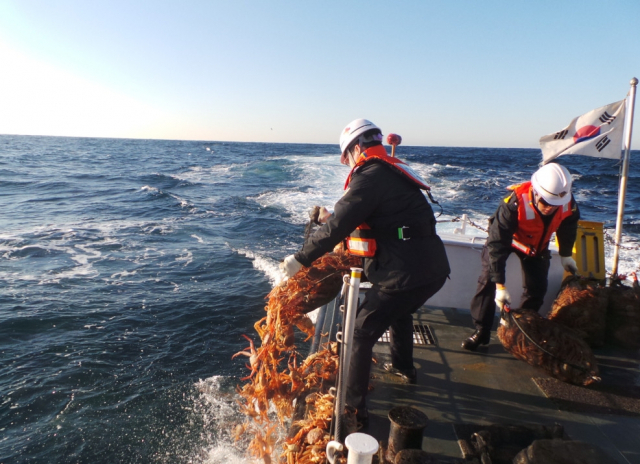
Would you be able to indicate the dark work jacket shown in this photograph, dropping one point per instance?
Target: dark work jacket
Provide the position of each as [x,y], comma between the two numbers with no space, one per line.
[504,223]
[385,200]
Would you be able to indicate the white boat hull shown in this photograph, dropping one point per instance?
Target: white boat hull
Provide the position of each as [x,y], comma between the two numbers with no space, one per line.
[463,252]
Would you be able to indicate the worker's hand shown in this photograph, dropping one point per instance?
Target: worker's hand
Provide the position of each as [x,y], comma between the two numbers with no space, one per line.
[319,215]
[502,297]
[324,215]
[290,266]
[569,264]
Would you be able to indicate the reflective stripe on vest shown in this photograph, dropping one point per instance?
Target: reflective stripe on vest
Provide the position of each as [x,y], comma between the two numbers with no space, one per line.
[522,247]
[358,246]
[530,212]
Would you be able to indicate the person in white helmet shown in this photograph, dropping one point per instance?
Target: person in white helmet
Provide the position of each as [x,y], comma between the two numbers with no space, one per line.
[386,219]
[523,224]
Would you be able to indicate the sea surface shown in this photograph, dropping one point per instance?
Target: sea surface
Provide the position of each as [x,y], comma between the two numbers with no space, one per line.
[129,269]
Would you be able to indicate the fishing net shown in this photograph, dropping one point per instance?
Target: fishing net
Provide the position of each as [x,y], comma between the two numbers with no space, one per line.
[581,305]
[548,345]
[282,386]
[315,285]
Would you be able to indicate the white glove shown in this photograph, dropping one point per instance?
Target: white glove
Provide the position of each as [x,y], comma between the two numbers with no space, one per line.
[502,297]
[290,266]
[569,264]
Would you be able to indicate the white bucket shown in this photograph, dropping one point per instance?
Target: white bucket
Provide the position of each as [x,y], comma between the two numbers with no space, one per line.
[361,448]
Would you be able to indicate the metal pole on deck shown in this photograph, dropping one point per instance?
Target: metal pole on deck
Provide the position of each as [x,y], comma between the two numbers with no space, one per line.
[623,179]
[351,307]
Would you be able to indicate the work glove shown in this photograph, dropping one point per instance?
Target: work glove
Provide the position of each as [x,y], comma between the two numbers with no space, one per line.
[324,215]
[502,297]
[290,266]
[319,215]
[569,264]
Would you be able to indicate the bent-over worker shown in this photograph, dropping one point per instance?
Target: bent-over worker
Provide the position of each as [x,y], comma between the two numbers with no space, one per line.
[523,224]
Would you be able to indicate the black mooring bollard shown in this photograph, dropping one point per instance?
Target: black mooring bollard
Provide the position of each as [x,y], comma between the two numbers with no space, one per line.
[407,425]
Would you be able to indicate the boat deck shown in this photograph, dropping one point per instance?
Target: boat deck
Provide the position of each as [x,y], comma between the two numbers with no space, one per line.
[490,386]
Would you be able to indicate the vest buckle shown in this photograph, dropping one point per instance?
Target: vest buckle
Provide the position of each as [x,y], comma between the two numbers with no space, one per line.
[401,233]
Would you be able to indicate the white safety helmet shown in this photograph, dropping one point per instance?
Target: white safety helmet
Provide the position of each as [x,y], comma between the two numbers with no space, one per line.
[553,183]
[353,130]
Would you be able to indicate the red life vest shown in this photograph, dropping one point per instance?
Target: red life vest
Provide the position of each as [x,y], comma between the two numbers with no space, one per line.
[358,243]
[531,237]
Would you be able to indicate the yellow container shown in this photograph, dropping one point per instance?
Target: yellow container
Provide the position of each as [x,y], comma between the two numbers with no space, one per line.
[588,251]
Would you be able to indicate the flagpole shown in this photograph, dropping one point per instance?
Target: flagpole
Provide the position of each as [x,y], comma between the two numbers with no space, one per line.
[623,179]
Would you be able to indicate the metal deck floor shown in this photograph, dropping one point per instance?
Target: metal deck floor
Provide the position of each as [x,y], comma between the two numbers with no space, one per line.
[486,387]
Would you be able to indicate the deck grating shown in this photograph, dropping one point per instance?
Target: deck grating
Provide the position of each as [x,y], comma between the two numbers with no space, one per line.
[422,335]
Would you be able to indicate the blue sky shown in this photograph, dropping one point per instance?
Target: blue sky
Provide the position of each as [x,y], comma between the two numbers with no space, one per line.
[440,73]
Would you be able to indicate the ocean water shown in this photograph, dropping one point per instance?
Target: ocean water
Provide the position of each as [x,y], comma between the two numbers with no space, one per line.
[129,269]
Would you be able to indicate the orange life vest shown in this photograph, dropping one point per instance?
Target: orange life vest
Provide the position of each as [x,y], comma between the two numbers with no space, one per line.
[378,152]
[359,243]
[532,237]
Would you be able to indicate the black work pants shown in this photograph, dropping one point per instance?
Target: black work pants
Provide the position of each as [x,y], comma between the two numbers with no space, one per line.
[535,270]
[379,311]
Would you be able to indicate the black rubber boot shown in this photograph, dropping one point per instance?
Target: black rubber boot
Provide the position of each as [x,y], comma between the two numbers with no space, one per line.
[480,337]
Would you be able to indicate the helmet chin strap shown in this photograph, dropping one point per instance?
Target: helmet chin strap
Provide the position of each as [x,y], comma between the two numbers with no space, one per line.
[353,158]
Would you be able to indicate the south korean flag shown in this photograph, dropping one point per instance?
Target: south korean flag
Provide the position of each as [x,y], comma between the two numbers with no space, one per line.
[597,133]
